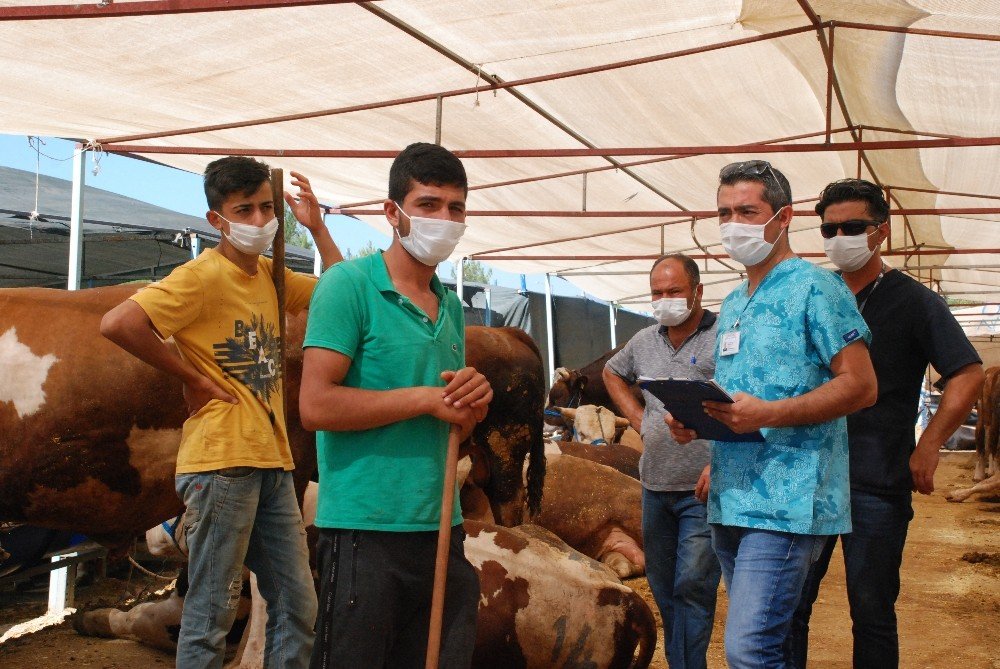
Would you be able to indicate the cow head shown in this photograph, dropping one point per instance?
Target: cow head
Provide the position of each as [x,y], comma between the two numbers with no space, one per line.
[567,389]
[594,425]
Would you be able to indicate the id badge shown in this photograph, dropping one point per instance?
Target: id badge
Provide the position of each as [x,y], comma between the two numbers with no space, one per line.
[730,343]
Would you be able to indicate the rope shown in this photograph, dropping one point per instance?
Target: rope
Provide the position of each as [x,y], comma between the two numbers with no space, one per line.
[150,573]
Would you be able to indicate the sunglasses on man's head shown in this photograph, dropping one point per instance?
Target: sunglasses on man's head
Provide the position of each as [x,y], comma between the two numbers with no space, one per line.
[850,228]
[754,168]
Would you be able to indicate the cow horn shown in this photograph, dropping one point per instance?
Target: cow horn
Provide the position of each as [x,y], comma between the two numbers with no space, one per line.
[621,422]
[562,373]
[567,413]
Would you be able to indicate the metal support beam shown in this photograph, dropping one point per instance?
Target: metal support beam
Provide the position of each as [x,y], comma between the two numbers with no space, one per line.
[111,9]
[614,324]
[75,271]
[924,251]
[550,338]
[829,87]
[438,117]
[600,152]
[195,245]
[460,279]
[685,215]
[605,168]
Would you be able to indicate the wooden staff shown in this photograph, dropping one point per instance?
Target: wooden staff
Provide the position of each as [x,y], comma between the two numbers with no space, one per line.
[278,273]
[443,545]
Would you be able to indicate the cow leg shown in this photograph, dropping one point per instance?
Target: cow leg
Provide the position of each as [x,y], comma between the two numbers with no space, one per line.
[979,473]
[153,624]
[991,484]
[250,654]
[621,552]
[621,565]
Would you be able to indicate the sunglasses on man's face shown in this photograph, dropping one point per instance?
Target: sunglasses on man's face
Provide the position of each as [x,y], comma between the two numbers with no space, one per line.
[850,228]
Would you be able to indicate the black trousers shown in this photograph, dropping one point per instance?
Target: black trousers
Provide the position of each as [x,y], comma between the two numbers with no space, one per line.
[375,600]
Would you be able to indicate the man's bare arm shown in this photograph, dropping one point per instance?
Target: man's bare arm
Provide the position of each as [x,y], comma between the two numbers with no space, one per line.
[621,393]
[326,404]
[308,212]
[128,326]
[960,393]
[852,387]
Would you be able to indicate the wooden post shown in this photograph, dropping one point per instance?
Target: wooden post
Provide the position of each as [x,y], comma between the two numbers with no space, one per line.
[443,545]
[278,273]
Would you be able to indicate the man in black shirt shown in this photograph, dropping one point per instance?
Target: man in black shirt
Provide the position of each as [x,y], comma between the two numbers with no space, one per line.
[911,328]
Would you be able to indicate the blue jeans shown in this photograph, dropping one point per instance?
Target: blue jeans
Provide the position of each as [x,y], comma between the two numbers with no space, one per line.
[683,573]
[251,517]
[873,552]
[764,571]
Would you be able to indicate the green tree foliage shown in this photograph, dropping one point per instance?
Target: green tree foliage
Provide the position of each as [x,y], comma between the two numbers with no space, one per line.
[368,249]
[474,272]
[295,233]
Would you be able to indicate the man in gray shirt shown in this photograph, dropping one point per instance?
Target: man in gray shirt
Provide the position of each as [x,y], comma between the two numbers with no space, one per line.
[681,566]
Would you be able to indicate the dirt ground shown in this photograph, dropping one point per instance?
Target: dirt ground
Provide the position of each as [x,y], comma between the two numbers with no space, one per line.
[949,608]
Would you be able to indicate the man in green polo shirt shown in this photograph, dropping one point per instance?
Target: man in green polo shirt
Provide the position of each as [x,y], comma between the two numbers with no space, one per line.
[383,379]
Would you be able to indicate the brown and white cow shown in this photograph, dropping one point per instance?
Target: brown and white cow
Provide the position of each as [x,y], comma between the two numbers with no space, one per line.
[573,387]
[594,508]
[541,604]
[545,605]
[616,456]
[987,472]
[89,434]
[594,424]
[157,623]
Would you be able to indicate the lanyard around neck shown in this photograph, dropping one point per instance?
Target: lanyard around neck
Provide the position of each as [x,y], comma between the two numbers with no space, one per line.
[878,280]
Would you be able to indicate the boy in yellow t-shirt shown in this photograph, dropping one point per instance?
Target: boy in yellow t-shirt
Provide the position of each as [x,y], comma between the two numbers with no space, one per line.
[234,464]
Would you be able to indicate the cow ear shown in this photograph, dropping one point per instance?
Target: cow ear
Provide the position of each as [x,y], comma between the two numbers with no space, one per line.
[621,422]
[567,413]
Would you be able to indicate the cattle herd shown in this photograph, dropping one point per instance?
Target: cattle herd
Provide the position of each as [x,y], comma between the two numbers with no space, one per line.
[89,437]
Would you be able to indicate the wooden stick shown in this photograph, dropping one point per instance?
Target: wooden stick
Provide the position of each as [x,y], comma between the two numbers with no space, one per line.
[443,545]
[278,272]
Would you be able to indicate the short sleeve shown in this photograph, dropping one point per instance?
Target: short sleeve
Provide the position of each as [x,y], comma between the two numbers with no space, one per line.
[335,313]
[622,363]
[942,339]
[298,290]
[172,303]
[832,318]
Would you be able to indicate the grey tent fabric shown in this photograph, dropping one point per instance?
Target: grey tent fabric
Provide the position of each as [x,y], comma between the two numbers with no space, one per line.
[124,239]
[582,325]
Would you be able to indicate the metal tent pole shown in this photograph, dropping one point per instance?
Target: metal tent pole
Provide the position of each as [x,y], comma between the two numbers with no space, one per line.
[549,329]
[614,323]
[460,280]
[75,271]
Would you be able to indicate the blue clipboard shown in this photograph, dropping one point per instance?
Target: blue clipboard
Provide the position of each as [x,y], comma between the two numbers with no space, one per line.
[683,398]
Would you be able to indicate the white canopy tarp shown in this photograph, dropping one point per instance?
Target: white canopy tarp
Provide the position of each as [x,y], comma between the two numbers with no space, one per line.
[103,78]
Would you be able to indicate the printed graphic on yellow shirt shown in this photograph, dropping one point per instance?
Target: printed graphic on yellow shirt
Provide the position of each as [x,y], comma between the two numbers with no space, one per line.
[251,356]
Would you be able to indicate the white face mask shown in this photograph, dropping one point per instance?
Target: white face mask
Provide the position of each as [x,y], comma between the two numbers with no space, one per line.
[431,240]
[670,311]
[745,243]
[848,252]
[250,239]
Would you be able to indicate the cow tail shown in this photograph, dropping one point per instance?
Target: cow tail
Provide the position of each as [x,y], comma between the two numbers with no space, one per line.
[644,627]
[536,474]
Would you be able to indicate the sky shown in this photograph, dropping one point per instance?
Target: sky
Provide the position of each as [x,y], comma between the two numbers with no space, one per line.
[182,192]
